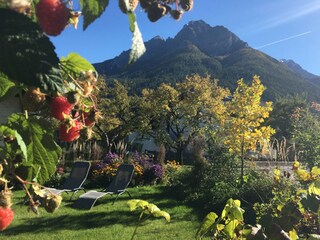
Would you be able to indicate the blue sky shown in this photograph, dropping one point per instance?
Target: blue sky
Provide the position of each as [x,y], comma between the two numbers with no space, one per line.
[287,29]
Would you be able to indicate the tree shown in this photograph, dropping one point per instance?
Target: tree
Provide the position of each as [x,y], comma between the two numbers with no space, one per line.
[280,116]
[178,114]
[306,134]
[241,128]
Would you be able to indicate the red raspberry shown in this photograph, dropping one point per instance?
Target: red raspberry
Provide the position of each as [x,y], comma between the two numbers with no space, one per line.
[6,216]
[68,134]
[60,106]
[53,16]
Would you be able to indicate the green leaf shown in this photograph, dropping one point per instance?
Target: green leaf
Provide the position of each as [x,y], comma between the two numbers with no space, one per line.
[137,203]
[230,227]
[162,214]
[313,237]
[137,48]
[314,188]
[132,204]
[26,54]
[132,20]
[150,208]
[91,10]
[42,150]
[5,84]
[142,204]
[315,172]
[207,223]
[22,145]
[74,64]
[232,210]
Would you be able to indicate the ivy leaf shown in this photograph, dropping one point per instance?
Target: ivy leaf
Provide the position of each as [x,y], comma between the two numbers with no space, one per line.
[207,223]
[162,214]
[26,54]
[74,64]
[42,150]
[91,10]
[137,48]
[5,84]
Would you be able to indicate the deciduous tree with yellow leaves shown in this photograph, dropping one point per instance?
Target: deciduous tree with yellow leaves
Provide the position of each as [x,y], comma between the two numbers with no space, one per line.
[242,129]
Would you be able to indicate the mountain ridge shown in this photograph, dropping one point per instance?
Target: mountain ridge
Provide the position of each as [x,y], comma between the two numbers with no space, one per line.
[200,48]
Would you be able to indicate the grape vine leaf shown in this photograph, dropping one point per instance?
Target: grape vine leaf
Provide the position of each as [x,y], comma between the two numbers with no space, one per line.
[162,214]
[207,223]
[26,54]
[74,64]
[91,10]
[42,150]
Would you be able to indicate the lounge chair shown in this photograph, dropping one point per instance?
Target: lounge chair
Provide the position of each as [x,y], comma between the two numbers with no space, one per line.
[75,180]
[117,186]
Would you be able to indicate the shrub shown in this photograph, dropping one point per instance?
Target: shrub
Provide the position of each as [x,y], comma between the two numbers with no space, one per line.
[146,171]
[57,178]
[170,172]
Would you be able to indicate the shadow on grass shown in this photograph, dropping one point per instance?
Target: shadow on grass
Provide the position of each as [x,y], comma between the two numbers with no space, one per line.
[83,220]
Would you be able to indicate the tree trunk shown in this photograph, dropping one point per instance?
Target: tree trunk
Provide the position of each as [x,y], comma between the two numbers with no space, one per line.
[180,153]
[162,154]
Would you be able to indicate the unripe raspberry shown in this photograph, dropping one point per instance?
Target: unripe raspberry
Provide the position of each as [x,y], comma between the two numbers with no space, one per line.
[156,11]
[186,5]
[53,16]
[176,14]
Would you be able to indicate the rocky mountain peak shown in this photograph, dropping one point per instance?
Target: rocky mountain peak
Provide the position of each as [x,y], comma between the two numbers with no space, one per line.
[213,41]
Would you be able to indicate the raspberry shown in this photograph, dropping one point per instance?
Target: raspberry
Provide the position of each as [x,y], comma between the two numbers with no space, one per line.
[6,216]
[53,16]
[60,107]
[69,133]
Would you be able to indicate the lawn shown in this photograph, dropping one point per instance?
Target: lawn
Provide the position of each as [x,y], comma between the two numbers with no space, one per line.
[104,221]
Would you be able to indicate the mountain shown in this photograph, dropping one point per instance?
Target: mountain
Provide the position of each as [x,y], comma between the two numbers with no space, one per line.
[295,67]
[200,48]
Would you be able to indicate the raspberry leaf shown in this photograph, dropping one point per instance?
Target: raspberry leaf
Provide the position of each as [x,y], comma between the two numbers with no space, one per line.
[26,54]
[42,150]
[74,64]
[91,10]
[5,84]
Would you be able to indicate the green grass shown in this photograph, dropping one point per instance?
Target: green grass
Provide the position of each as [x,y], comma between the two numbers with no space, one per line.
[104,221]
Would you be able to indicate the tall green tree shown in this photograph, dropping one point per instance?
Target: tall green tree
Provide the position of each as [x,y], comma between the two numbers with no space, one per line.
[306,134]
[280,116]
